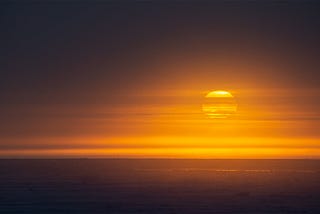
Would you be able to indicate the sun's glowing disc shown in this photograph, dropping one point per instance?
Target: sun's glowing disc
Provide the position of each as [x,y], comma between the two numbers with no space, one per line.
[219,104]
[219,93]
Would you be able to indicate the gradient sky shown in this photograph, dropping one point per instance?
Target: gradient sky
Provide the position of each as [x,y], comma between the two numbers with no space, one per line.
[128,79]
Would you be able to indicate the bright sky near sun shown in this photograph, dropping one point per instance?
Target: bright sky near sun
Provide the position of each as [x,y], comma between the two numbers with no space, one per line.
[178,127]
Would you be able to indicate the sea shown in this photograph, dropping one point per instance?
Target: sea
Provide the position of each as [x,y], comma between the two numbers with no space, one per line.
[147,186]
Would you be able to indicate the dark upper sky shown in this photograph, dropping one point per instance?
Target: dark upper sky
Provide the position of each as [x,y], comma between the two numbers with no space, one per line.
[57,49]
[80,53]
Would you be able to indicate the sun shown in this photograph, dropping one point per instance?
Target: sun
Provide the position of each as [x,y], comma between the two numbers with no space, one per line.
[219,104]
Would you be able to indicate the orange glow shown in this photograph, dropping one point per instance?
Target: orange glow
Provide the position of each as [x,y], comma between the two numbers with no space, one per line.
[267,124]
[247,153]
[178,147]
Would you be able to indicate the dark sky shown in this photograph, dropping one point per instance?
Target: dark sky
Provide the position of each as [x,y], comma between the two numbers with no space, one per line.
[60,58]
[55,48]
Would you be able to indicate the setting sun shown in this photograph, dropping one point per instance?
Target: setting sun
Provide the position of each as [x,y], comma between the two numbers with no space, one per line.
[219,104]
[219,93]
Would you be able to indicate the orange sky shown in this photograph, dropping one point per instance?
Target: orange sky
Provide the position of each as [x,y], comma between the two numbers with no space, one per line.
[105,81]
[268,124]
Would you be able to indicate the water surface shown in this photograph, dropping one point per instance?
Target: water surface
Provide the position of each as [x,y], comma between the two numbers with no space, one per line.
[119,186]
